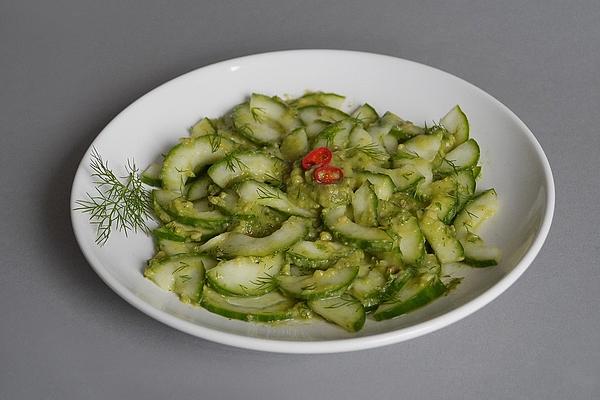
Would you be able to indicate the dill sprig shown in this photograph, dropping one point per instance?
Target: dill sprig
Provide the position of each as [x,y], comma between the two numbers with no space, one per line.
[233,163]
[370,150]
[265,192]
[121,203]
[343,300]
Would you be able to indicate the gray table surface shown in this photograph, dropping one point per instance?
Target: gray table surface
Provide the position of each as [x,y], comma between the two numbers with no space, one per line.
[68,67]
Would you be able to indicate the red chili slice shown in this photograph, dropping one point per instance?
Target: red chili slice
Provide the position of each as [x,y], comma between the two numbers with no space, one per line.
[317,157]
[328,174]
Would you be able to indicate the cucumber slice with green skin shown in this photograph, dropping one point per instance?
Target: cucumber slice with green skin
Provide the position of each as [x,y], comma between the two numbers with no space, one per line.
[423,146]
[188,157]
[254,125]
[231,244]
[295,145]
[172,248]
[192,214]
[185,233]
[252,192]
[274,109]
[404,177]
[417,293]
[411,242]
[465,188]
[245,165]
[463,156]
[202,128]
[272,306]
[366,114]
[383,185]
[161,202]
[198,189]
[321,284]
[478,254]
[364,205]
[151,175]
[422,189]
[441,238]
[246,276]
[457,124]
[333,100]
[444,199]
[314,128]
[352,234]
[227,201]
[406,130]
[182,274]
[320,254]
[369,289]
[335,136]
[311,114]
[482,207]
[344,311]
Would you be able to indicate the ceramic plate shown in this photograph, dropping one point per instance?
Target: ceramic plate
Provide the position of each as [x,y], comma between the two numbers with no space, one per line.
[512,159]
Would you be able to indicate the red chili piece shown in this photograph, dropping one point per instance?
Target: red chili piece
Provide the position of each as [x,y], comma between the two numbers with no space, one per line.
[327,174]
[317,157]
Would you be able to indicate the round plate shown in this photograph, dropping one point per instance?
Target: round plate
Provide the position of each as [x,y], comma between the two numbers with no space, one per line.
[512,159]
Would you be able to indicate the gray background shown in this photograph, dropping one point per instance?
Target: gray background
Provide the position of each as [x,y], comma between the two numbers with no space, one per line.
[68,67]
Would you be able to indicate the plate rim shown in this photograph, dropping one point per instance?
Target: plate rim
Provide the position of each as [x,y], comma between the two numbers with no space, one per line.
[333,345]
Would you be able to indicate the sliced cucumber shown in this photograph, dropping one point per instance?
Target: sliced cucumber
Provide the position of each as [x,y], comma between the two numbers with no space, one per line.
[404,177]
[382,184]
[457,124]
[441,238]
[172,248]
[369,289]
[314,113]
[151,175]
[319,285]
[295,145]
[350,233]
[477,253]
[444,199]
[317,255]
[227,201]
[333,100]
[182,274]
[231,244]
[366,114]
[482,207]
[465,188]
[423,146]
[161,204]
[461,157]
[202,128]
[364,205]
[192,214]
[252,192]
[198,189]
[254,125]
[274,109]
[183,233]
[411,242]
[418,292]
[244,165]
[272,306]
[188,157]
[246,276]
[345,311]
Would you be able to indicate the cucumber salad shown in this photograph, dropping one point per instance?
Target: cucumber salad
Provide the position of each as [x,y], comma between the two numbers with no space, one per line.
[297,209]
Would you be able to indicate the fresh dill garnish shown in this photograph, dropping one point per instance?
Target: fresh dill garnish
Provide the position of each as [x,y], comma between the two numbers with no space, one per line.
[370,150]
[215,142]
[343,300]
[184,278]
[121,203]
[265,192]
[233,163]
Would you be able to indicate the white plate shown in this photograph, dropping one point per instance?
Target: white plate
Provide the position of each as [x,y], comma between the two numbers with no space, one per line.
[513,162]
